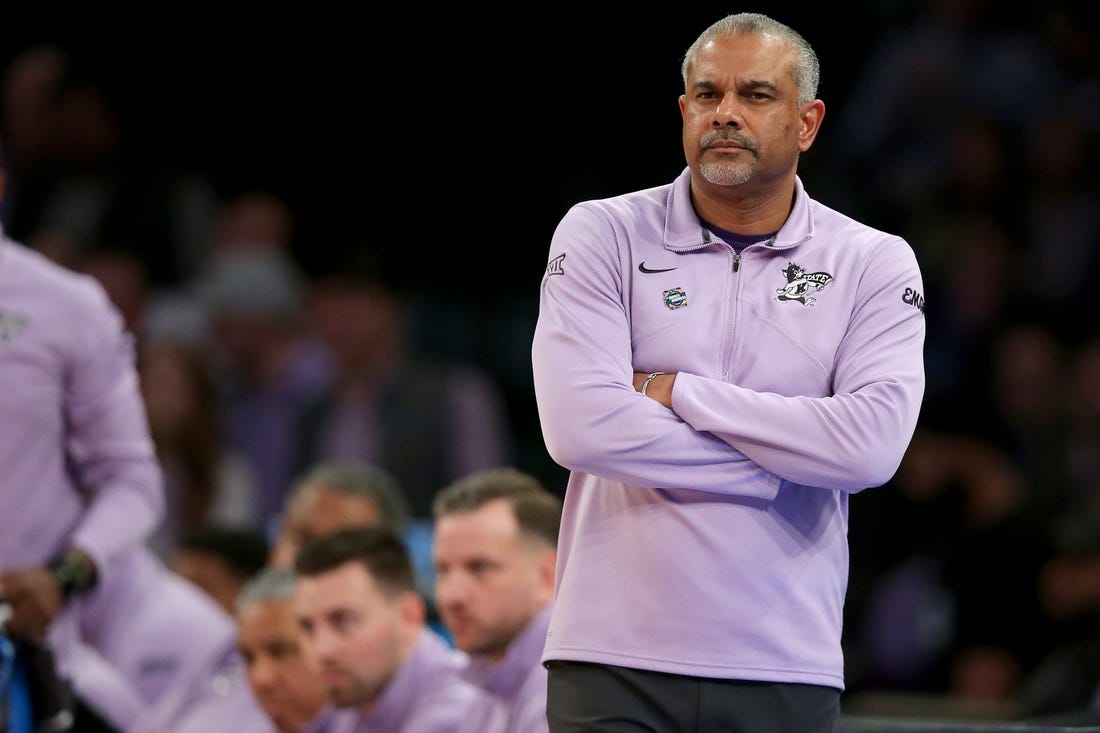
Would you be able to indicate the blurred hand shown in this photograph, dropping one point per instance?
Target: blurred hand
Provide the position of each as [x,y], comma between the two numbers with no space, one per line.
[35,601]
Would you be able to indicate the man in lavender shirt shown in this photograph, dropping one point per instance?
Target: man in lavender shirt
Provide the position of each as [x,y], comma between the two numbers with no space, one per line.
[173,643]
[267,635]
[365,634]
[720,362]
[495,549]
[82,492]
[80,484]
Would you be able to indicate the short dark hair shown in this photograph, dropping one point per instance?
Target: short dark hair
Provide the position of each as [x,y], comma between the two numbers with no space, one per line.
[537,510]
[379,549]
[243,550]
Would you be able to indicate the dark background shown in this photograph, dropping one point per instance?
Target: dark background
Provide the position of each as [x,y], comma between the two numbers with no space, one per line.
[452,140]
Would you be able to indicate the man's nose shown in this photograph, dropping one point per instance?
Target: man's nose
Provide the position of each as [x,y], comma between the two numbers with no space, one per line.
[728,111]
[451,588]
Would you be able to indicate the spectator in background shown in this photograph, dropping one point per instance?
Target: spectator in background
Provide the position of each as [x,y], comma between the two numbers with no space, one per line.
[220,560]
[1083,442]
[958,555]
[95,191]
[150,312]
[1027,380]
[254,220]
[28,89]
[495,550]
[125,277]
[363,626]
[266,369]
[290,692]
[206,481]
[1064,688]
[1061,213]
[937,62]
[967,305]
[426,421]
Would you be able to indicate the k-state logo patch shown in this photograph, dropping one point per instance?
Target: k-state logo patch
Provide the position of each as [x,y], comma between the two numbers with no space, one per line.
[801,283]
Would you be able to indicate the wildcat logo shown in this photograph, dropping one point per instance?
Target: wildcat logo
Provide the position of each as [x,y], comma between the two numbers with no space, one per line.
[10,326]
[801,283]
[555,266]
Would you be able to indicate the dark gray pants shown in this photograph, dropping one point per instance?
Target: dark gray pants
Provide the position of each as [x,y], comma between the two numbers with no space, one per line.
[600,698]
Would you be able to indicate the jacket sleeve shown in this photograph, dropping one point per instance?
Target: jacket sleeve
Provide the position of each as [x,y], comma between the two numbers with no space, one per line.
[110,450]
[592,418]
[855,437]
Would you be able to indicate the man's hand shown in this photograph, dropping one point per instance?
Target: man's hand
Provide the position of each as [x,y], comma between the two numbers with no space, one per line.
[35,601]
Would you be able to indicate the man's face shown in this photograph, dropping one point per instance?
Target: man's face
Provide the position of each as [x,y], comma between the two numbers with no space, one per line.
[353,635]
[284,685]
[741,117]
[489,583]
[315,512]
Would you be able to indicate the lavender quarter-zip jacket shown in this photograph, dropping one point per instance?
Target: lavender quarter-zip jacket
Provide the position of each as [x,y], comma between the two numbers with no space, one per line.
[711,539]
[158,628]
[79,465]
[426,695]
[515,689]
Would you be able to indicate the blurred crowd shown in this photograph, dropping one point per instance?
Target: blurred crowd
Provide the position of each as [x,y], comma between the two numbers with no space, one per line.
[970,128]
[252,367]
[972,131]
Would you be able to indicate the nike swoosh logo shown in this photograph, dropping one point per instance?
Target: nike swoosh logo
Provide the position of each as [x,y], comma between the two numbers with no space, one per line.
[643,268]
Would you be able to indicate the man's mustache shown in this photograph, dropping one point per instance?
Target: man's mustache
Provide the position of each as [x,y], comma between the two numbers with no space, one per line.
[732,135]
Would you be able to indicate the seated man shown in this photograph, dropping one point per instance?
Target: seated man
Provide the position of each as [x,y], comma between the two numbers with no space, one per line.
[332,496]
[495,550]
[169,643]
[337,495]
[267,635]
[365,633]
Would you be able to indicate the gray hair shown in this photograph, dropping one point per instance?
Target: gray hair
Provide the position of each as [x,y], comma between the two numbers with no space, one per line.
[363,481]
[806,70]
[269,584]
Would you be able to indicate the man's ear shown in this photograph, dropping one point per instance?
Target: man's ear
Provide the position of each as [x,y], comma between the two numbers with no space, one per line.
[548,560]
[412,608]
[812,113]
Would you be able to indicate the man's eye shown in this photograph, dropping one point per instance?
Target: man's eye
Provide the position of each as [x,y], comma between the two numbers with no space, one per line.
[343,621]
